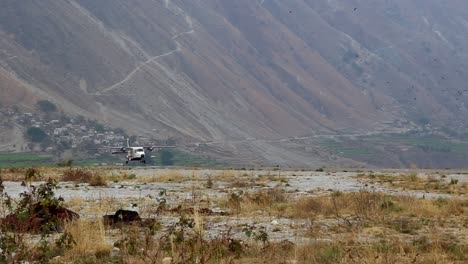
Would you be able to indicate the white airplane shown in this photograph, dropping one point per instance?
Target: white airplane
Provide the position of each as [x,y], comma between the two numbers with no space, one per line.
[136,153]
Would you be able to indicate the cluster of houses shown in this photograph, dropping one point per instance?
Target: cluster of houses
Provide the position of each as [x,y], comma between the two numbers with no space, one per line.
[64,132]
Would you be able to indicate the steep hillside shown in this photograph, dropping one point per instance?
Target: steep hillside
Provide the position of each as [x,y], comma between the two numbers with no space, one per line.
[246,78]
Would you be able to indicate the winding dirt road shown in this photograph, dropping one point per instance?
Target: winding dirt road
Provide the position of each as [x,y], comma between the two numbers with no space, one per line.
[152,59]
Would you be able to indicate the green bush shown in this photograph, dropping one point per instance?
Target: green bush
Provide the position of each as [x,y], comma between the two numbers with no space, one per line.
[46,106]
[36,134]
[65,163]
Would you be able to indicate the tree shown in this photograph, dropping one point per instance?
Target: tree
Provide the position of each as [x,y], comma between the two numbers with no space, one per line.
[167,158]
[36,135]
[99,128]
[46,106]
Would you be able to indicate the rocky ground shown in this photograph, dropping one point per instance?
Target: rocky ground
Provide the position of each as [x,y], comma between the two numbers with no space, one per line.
[296,207]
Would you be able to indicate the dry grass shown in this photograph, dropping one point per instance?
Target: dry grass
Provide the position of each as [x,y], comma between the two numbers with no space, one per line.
[362,205]
[165,177]
[273,176]
[226,175]
[40,173]
[273,201]
[122,176]
[429,183]
[358,227]
[190,246]
[384,251]
[79,174]
[349,250]
[372,205]
[90,239]
[97,180]
[75,203]
[84,176]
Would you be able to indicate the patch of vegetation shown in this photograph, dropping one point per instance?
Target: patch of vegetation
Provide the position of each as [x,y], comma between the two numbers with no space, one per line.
[23,160]
[16,246]
[84,176]
[374,149]
[46,106]
[159,158]
[166,157]
[350,56]
[36,134]
[104,159]
[349,148]
[428,142]
[97,180]
[65,163]
[355,227]
[427,183]
[183,159]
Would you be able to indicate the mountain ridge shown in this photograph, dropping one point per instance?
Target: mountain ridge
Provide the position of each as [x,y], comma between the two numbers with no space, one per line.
[221,71]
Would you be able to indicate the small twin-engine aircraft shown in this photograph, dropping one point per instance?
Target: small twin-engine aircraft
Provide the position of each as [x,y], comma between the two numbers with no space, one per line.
[136,153]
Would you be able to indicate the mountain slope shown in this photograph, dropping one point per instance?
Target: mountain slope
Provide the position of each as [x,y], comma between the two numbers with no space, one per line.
[244,74]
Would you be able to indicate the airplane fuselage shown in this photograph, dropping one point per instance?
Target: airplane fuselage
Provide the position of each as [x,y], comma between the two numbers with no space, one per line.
[137,154]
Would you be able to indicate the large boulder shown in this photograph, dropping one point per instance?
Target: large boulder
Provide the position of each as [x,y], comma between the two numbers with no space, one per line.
[122,216]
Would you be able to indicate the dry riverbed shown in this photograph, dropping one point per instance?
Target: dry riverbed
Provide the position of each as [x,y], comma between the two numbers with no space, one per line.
[287,216]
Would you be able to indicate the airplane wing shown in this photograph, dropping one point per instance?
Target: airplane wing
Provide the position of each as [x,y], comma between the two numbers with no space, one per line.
[118,150]
[111,148]
[114,150]
[151,148]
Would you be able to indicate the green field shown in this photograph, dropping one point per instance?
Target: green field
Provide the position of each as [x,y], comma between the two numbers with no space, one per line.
[184,159]
[348,148]
[178,159]
[24,160]
[429,142]
[404,148]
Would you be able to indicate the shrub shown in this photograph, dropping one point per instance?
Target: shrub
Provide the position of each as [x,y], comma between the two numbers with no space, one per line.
[267,198]
[432,178]
[330,254]
[234,202]
[413,177]
[97,180]
[209,183]
[77,175]
[65,163]
[84,176]
[36,135]
[440,202]
[311,206]
[46,106]
[32,174]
